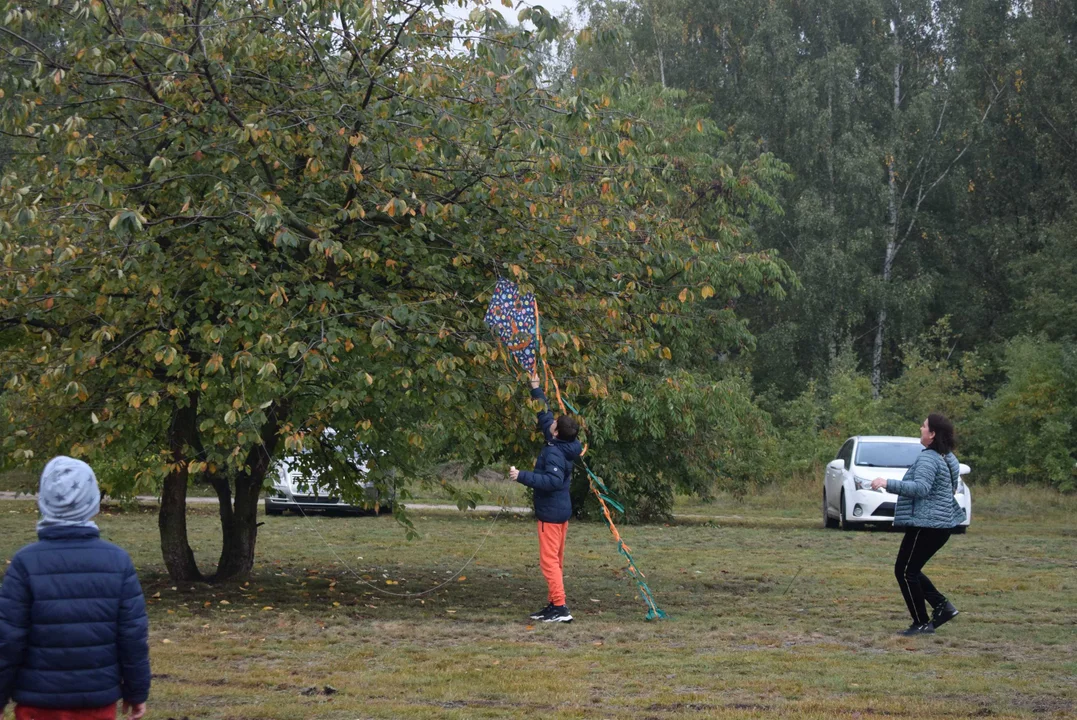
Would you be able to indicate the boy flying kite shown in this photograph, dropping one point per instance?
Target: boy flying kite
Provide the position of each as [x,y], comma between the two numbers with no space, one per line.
[550,481]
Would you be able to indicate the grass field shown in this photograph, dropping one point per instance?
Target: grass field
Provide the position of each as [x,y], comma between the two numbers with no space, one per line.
[771,616]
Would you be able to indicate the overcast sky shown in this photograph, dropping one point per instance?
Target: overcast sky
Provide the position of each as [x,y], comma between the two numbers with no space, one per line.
[556,7]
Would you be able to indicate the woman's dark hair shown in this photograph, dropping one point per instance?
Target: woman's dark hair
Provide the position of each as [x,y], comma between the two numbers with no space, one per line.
[567,428]
[944,433]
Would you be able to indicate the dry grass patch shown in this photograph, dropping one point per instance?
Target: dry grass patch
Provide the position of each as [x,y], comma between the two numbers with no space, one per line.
[772,616]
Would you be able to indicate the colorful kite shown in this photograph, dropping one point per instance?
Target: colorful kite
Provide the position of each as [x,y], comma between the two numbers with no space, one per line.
[514,317]
[515,320]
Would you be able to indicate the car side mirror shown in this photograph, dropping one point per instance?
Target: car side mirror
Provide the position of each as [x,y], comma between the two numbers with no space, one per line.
[965,469]
[836,464]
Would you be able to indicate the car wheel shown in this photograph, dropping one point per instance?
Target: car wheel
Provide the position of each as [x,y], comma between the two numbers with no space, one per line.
[843,521]
[828,522]
[273,510]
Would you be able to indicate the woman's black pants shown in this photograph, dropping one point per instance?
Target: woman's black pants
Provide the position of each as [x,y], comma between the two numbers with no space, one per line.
[917,547]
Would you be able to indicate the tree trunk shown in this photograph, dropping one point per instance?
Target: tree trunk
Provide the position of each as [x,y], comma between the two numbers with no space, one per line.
[172,519]
[658,46]
[891,229]
[239,528]
[239,516]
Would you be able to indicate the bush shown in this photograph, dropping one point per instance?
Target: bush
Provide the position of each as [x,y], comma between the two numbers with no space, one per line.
[1028,432]
[687,433]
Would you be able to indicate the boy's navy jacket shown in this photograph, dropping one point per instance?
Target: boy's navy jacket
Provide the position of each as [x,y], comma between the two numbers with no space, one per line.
[73,625]
[553,470]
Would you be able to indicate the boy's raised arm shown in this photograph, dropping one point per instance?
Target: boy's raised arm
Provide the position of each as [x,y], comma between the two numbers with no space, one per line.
[545,417]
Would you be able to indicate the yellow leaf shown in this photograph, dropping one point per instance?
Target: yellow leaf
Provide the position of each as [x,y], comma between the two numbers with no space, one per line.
[667,354]
[584,150]
[707,292]
[632,226]
[683,297]
[462,578]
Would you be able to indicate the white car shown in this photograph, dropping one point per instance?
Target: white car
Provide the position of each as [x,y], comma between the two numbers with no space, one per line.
[849,501]
[296,487]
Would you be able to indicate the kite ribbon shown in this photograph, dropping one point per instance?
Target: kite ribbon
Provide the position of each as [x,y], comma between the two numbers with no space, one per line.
[599,489]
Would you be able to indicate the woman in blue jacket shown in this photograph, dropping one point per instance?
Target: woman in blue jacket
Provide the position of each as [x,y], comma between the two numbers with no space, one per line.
[926,508]
[73,628]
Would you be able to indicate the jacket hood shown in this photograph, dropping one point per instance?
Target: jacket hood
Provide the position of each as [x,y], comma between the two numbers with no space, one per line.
[572,448]
[68,532]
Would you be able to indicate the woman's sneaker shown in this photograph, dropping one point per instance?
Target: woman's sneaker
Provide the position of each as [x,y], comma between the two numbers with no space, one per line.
[943,614]
[558,613]
[540,614]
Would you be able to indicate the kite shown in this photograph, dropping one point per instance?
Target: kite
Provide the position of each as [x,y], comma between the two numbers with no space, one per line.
[514,318]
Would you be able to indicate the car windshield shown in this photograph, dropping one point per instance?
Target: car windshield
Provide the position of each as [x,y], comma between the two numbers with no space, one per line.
[887,454]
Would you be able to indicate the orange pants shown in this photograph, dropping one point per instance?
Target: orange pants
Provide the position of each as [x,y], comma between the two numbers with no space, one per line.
[552,558]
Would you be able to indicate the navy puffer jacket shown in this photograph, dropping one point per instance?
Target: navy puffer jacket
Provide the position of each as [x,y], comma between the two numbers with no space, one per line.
[553,470]
[73,626]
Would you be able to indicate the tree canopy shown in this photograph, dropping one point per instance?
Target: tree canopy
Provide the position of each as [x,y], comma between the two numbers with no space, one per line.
[229,227]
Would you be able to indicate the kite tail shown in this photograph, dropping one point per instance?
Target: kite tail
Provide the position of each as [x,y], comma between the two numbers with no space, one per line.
[599,489]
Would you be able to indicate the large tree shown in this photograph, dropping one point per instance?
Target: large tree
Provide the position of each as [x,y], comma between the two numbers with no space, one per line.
[229,227]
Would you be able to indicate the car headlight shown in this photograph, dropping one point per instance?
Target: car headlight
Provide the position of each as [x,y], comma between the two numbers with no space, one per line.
[865,484]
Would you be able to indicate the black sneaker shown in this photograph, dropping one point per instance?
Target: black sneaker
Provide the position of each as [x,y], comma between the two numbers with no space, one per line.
[918,629]
[540,614]
[558,613]
[943,614]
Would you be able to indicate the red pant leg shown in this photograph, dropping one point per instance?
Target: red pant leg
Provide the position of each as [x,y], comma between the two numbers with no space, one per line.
[26,712]
[552,558]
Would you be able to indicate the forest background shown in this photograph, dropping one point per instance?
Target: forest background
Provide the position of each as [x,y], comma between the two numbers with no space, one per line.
[754,229]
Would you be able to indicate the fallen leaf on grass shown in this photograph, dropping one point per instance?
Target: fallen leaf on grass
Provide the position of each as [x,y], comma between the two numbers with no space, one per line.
[225,602]
[267,607]
[166,641]
[529,627]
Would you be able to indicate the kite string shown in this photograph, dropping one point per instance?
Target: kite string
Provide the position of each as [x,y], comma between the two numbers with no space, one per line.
[363,581]
[313,526]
